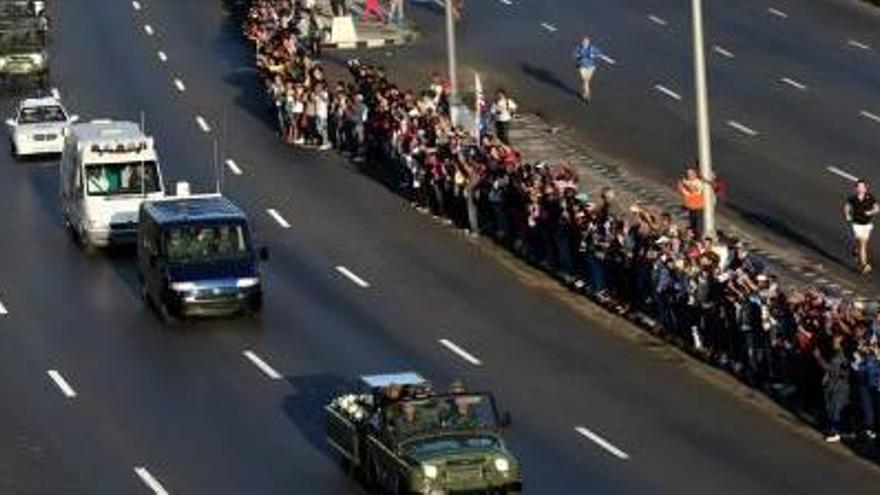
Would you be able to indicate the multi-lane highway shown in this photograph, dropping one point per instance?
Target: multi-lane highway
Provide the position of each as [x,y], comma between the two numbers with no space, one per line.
[793,89]
[101,398]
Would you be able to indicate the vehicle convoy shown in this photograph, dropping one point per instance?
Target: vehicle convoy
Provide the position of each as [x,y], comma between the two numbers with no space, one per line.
[23,54]
[107,170]
[402,437]
[195,257]
[38,126]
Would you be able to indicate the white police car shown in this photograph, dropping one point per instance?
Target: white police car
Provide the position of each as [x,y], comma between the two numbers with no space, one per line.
[38,126]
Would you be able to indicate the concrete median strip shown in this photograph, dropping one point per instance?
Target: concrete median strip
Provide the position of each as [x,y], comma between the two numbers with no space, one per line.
[262,365]
[149,480]
[601,442]
[460,352]
[62,384]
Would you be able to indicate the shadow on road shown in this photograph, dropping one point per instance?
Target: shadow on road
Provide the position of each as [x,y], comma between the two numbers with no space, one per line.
[305,406]
[550,79]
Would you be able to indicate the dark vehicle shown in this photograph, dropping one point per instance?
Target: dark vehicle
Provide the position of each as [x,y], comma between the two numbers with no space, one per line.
[195,258]
[401,437]
[23,54]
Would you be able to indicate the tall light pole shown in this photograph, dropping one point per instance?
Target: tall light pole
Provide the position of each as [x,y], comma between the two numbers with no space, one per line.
[453,68]
[704,136]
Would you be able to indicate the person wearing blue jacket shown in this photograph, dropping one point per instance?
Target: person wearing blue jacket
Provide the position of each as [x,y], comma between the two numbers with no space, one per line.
[587,54]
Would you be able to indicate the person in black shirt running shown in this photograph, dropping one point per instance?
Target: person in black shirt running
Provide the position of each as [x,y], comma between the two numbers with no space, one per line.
[859,210]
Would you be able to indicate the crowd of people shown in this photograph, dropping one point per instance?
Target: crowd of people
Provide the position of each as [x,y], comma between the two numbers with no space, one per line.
[817,352]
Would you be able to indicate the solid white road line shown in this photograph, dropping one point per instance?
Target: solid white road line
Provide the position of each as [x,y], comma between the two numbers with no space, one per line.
[777,13]
[793,83]
[720,50]
[233,166]
[148,29]
[741,128]
[262,365]
[59,380]
[278,218]
[657,20]
[668,92]
[859,45]
[842,173]
[136,5]
[203,124]
[150,481]
[162,56]
[549,27]
[460,352]
[180,86]
[608,59]
[870,116]
[351,276]
[601,442]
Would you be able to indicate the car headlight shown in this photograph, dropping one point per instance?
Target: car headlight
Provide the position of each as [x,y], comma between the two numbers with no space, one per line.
[430,471]
[502,465]
[37,58]
[3,62]
[183,286]
[244,283]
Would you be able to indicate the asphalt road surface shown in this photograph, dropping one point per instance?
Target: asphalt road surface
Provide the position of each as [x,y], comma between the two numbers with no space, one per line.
[100,398]
[793,92]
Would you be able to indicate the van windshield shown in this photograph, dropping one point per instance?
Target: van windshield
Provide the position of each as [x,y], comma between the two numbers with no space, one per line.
[36,115]
[110,179]
[205,243]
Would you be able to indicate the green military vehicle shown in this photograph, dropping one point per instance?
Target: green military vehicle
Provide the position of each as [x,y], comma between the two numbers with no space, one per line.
[401,437]
[23,54]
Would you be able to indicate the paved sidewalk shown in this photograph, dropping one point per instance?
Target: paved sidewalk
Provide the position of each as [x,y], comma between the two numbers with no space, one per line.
[371,33]
[538,140]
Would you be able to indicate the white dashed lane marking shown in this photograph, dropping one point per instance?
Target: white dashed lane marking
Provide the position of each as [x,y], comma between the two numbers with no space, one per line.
[601,442]
[179,84]
[777,13]
[842,173]
[149,480]
[345,272]
[870,116]
[148,29]
[859,45]
[136,5]
[3,310]
[668,92]
[162,56]
[262,365]
[720,50]
[203,124]
[549,27]
[458,351]
[657,20]
[233,166]
[62,384]
[742,128]
[278,218]
[793,83]
[506,2]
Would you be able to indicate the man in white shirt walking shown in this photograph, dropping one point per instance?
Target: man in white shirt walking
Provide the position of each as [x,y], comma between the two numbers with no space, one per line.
[502,111]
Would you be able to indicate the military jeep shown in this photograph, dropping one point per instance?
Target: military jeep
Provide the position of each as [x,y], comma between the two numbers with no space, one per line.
[401,437]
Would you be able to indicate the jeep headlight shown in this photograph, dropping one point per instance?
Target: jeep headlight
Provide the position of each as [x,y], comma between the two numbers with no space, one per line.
[430,471]
[183,286]
[502,465]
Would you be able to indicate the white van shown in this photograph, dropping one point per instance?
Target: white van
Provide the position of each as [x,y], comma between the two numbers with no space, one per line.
[107,170]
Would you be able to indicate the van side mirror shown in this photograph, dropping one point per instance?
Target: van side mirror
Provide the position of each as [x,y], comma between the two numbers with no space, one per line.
[263,253]
[505,421]
[10,122]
